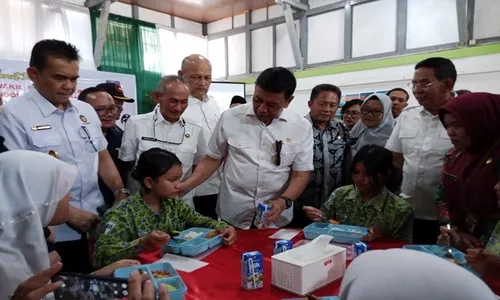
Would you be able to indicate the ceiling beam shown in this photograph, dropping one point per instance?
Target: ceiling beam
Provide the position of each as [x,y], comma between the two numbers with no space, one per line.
[95,3]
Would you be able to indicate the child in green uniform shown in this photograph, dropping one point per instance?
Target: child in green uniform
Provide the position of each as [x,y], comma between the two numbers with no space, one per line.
[145,221]
[370,201]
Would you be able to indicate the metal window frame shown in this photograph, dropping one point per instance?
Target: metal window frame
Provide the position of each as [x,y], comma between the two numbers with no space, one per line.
[465,18]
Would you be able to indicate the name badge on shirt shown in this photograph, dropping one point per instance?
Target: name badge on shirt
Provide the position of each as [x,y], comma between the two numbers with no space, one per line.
[41,127]
[149,139]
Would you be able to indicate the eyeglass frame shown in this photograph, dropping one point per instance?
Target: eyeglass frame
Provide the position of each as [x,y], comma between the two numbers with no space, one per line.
[365,112]
[108,110]
[87,137]
[420,85]
[154,139]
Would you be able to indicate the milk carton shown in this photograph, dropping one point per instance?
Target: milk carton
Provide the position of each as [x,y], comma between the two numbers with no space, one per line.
[262,210]
[359,248]
[252,270]
[282,246]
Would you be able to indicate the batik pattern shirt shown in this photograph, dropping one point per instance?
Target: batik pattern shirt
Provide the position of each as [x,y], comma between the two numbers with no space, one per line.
[124,224]
[386,211]
[331,153]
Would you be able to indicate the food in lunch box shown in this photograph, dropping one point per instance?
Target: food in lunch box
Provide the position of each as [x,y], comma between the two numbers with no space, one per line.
[212,234]
[160,274]
[454,260]
[333,222]
[171,288]
[192,235]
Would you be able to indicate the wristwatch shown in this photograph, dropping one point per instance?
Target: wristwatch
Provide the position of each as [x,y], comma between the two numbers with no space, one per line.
[123,191]
[288,201]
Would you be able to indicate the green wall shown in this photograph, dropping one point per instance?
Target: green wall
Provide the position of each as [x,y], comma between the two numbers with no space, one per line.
[391,62]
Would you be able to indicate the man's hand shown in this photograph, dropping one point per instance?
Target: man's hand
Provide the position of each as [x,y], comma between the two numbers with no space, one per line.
[183,188]
[119,197]
[277,208]
[108,270]
[83,220]
[38,286]
[230,236]
[154,240]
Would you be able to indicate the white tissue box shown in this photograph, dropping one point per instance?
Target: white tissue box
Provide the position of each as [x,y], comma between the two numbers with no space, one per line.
[307,268]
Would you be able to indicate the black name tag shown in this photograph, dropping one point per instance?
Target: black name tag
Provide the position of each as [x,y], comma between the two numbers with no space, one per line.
[149,139]
[450,177]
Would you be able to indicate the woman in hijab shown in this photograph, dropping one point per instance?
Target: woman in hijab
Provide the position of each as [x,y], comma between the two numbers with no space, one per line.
[34,191]
[376,124]
[466,199]
[409,275]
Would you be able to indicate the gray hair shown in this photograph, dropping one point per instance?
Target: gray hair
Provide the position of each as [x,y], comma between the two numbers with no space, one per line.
[166,80]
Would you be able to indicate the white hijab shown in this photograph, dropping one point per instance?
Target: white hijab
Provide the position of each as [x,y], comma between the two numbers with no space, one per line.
[378,135]
[31,185]
[409,275]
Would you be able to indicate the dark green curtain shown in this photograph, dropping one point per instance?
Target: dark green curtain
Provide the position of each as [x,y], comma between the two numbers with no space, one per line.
[131,47]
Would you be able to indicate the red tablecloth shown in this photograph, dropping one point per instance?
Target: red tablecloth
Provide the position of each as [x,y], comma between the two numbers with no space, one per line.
[221,279]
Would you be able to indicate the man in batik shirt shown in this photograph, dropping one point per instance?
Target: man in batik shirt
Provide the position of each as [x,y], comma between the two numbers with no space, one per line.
[332,153]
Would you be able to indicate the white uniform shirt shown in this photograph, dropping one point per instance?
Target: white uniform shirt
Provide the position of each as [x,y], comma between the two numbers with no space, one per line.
[206,113]
[183,138]
[250,177]
[423,141]
[31,122]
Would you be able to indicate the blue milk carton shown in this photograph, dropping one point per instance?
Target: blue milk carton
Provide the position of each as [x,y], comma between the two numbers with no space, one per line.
[359,248]
[252,270]
[262,210]
[282,246]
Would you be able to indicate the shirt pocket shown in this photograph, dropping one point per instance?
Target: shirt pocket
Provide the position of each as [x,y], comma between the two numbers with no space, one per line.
[186,153]
[409,140]
[45,142]
[288,154]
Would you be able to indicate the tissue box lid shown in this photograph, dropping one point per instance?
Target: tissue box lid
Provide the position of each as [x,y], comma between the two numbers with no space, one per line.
[287,256]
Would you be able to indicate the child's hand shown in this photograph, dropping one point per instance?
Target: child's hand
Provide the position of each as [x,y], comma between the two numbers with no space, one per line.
[483,261]
[230,235]
[313,213]
[108,270]
[154,240]
[375,233]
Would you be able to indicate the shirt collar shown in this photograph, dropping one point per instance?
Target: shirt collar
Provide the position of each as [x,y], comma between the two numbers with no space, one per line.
[43,104]
[328,127]
[376,202]
[160,119]
[193,100]
[284,115]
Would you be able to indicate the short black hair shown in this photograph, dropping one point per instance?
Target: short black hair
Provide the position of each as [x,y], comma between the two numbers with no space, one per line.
[238,100]
[153,163]
[379,166]
[277,80]
[83,94]
[444,68]
[350,103]
[462,92]
[325,87]
[56,48]
[399,90]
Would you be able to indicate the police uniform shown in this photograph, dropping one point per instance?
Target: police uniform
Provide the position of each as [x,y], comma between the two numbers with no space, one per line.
[184,138]
[31,122]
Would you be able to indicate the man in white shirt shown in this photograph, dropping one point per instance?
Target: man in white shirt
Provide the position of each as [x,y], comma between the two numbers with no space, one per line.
[164,128]
[197,71]
[46,119]
[267,151]
[419,143]
[399,98]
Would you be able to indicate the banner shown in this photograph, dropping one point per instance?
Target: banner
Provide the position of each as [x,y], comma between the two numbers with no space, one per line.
[14,82]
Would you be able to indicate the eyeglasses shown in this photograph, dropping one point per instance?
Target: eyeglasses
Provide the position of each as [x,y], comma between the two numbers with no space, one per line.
[114,110]
[375,112]
[420,85]
[154,139]
[89,143]
[276,159]
[352,113]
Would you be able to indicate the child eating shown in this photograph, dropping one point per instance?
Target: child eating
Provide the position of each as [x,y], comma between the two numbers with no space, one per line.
[146,220]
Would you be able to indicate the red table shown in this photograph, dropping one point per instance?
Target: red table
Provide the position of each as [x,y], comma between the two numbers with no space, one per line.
[221,279]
